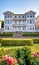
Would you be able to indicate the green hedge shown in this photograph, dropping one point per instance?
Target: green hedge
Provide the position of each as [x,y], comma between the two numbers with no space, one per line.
[30,34]
[0,40]
[16,42]
[7,34]
[36,41]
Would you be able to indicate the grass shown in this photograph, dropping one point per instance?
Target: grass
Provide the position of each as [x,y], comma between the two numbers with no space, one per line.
[34,48]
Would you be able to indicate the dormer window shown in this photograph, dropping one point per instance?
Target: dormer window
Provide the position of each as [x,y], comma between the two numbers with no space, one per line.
[23,16]
[19,16]
[8,15]
[33,16]
[15,16]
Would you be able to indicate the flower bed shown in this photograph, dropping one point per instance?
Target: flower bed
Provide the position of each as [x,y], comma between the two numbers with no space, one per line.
[35,58]
[7,60]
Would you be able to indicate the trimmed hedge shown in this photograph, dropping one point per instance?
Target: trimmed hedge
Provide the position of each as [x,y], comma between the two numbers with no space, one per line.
[16,42]
[7,34]
[30,34]
[36,41]
[0,40]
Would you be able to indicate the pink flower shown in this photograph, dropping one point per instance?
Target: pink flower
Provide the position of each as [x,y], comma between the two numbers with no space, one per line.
[9,59]
[15,60]
[38,53]
[5,57]
[35,54]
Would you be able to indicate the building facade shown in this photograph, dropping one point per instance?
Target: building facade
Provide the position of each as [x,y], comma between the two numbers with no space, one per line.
[19,22]
[37,22]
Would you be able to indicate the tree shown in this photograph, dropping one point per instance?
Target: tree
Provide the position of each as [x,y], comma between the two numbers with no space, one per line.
[2,24]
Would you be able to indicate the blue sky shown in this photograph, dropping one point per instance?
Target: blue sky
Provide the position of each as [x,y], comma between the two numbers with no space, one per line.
[18,6]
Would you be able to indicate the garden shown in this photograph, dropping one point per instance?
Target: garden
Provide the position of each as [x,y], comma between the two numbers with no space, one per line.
[16,51]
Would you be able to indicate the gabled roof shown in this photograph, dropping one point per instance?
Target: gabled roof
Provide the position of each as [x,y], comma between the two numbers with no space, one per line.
[8,12]
[30,12]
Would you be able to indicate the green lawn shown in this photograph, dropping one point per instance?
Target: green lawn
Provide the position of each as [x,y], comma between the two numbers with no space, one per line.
[33,48]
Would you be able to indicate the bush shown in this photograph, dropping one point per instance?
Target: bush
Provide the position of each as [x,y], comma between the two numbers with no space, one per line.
[30,34]
[36,41]
[0,40]
[6,34]
[23,56]
[16,42]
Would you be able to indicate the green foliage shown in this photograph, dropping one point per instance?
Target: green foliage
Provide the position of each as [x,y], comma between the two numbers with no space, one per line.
[4,62]
[7,34]
[36,41]
[35,61]
[16,42]
[0,40]
[30,34]
[23,55]
[2,24]
[1,52]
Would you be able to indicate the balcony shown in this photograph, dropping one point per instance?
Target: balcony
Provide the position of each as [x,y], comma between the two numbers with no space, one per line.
[19,19]
[19,24]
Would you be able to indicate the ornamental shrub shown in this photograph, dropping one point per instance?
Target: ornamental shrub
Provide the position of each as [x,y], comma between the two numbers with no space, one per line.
[23,56]
[36,41]
[16,42]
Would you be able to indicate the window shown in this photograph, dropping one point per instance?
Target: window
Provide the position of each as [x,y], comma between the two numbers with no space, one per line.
[33,16]
[33,21]
[19,22]
[15,16]
[23,16]
[10,27]
[31,28]
[15,22]
[19,16]
[30,16]
[8,15]
[24,28]
[19,28]
[30,21]
[7,21]
[6,27]
[15,28]
[10,21]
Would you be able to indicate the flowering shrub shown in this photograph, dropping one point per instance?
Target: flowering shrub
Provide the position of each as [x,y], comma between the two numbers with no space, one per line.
[35,54]
[7,60]
[35,58]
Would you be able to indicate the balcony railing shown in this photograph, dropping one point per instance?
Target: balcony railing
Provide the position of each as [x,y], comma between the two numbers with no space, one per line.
[19,19]
[24,24]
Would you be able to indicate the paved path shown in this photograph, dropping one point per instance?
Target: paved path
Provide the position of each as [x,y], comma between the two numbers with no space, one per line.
[20,37]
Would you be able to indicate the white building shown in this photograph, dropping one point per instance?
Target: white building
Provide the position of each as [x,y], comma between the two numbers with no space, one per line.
[19,22]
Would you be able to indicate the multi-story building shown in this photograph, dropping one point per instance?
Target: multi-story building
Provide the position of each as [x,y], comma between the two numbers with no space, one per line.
[19,22]
[37,22]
